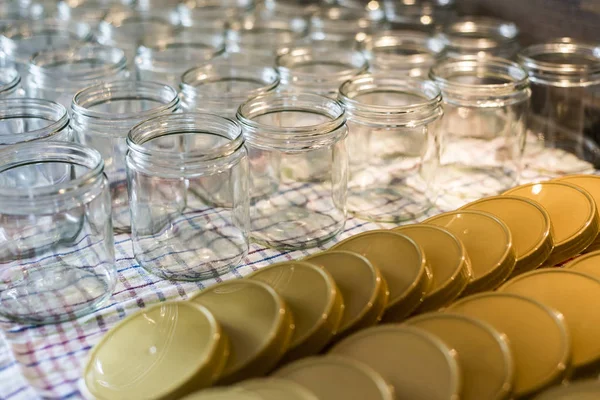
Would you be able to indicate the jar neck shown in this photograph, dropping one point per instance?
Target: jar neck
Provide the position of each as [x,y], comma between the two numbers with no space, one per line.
[420,101]
[474,35]
[9,81]
[296,137]
[34,109]
[118,123]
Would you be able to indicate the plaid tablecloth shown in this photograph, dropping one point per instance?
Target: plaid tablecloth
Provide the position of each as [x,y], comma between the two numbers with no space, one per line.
[46,361]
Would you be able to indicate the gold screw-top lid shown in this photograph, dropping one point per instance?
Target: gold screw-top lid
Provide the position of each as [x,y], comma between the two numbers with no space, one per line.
[529,225]
[573,231]
[402,264]
[277,389]
[257,321]
[587,264]
[223,393]
[361,284]
[164,351]
[574,295]
[315,301]
[582,390]
[484,354]
[488,242]
[538,336]
[417,364]
[448,260]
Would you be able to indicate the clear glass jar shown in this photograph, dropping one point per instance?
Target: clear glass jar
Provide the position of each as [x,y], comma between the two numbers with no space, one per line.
[486,101]
[319,70]
[58,74]
[10,83]
[102,116]
[188,180]
[482,36]
[14,11]
[25,120]
[21,41]
[564,121]
[221,87]
[410,53]
[91,12]
[298,168]
[201,12]
[57,258]
[423,15]
[393,145]
[167,61]
[342,25]
[266,38]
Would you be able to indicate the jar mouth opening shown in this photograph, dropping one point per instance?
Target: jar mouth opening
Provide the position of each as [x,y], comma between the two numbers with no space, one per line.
[103,93]
[223,136]
[47,27]
[176,55]
[480,33]
[50,152]
[561,57]
[296,60]
[39,109]
[120,25]
[9,79]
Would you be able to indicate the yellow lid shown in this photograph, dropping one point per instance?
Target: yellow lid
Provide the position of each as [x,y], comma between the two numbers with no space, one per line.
[484,354]
[257,321]
[164,351]
[401,262]
[488,242]
[538,336]
[448,260]
[587,264]
[334,377]
[574,295]
[315,301]
[277,389]
[529,225]
[572,231]
[417,364]
[582,390]
[223,393]
[361,284]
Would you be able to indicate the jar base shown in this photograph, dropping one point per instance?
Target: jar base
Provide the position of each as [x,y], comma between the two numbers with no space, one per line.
[393,204]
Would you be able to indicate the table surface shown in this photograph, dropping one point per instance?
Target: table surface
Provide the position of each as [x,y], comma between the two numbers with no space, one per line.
[46,361]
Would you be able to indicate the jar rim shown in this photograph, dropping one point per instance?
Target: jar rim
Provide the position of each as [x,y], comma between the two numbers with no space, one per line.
[148,56]
[25,107]
[12,81]
[355,60]
[423,44]
[100,93]
[492,32]
[51,151]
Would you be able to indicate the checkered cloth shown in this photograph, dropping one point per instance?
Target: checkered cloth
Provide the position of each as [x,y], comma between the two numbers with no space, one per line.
[47,361]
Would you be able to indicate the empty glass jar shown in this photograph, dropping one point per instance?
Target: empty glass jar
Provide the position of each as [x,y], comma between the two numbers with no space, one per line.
[58,74]
[482,36]
[91,12]
[57,258]
[565,106]
[265,38]
[423,15]
[393,145]
[342,25]
[220,87]
[25,120]
[226,12]
[102,116]
[10,82]
[486,101]
[188,180]
[319,70]
[15,11]
[298,168]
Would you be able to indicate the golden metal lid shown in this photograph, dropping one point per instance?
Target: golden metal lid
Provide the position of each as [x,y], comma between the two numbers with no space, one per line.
[529,225]
[488,242]
[582,390]
[538,336]
[587,264]
[417,364]
[572,231]
[257,321]
[277,389]
[573,294]
[315,301]
[484,354]
[401,262]
[223,393]
[448,260]
[164,351]
[361,284]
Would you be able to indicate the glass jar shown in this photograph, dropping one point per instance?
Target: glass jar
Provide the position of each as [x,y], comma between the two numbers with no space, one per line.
[221,87]
[201,12]
[342,25]
[486,101]
[102,116]
[298,168]
[21,41]
[25,120]
[564,123]
[57,258]
[166,61]
[188,180]
[393,145]
[58,74]
[482,36]
[266,38]
[423,15]
[91,12]
[319,70]
[10,82]
[410,53]
[14,11]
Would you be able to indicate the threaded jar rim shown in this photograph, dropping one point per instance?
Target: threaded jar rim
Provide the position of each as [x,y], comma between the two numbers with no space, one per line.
[9,80]
[475,33]
[34,108]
